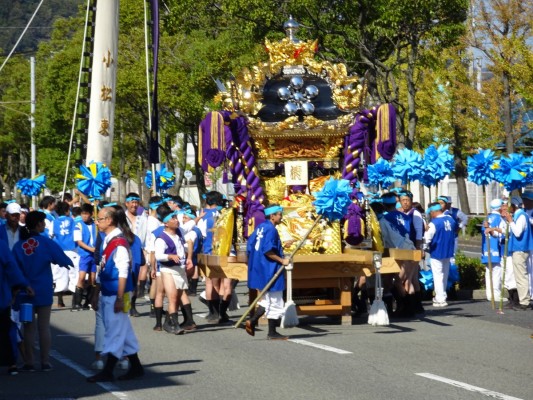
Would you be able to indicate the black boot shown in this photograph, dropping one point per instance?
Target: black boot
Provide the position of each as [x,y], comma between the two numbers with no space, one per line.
[419,308]
[514,300]
[136,369]
[171,325]
[193,287]
[223,312]
[152,308]
[188,320]
[409,306]
[213,315]
[158,317]
[141,289]
[133,310]
[76,299]
[401,303]
[252,322]
[106,375]
[272,333]
[60,302]
[87,303]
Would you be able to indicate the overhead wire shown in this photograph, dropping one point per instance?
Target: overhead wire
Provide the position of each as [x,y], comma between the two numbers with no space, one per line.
[21,36]
[77,98]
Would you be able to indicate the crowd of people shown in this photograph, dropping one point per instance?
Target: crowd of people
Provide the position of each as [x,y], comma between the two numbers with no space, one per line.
[107,256]
[405,224]
[110,256]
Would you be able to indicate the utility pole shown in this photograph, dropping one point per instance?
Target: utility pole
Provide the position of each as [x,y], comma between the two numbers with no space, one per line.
[32,126]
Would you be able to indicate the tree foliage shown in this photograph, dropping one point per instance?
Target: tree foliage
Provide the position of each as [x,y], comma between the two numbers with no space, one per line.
[502,31]
[409,52]
[13,19]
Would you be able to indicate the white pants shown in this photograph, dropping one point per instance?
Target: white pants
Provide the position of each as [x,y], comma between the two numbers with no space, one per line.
[496,281]
[119,338]
[510,282]
[440,269]
[273,304]
[67,279]
[179,276]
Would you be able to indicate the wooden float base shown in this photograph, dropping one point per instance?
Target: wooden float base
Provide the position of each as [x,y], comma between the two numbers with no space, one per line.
[319,271]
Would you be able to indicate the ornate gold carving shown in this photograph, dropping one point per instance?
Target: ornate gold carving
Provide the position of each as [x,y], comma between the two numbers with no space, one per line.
[324,238]
[286,57]
[286,52]
[292,127]
[274,188]
[282,149]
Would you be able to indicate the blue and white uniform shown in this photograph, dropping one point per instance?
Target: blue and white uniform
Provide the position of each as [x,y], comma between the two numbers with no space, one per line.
[169,244]
[119,338]
[63,234]
[264,239]
[86,233]
[439,240]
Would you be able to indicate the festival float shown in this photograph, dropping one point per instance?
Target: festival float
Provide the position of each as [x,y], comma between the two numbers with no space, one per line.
[287,126]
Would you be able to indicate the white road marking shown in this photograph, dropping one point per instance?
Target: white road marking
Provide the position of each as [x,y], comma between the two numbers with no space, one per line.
[320,346]
[466,386]
[110,387]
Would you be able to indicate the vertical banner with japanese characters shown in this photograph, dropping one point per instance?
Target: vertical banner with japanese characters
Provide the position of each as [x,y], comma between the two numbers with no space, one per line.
[103,83]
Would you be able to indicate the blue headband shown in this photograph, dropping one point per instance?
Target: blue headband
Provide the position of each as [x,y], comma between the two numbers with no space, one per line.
[444,199]
[436,207]
[133,198]
[190,215]
[169,217]
[106,205]
[153,206]
[10,201]
[273,210]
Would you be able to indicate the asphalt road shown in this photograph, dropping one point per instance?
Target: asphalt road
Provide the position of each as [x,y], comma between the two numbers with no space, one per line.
[436,356]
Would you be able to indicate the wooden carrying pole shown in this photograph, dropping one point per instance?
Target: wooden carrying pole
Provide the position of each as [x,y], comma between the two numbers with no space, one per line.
[277,274]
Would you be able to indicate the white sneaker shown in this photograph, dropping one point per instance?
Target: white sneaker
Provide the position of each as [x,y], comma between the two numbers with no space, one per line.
[123,364]
[440,304]
[97,365]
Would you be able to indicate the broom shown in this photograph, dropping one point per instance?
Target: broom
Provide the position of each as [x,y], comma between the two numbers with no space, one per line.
[290,316]
[378,312]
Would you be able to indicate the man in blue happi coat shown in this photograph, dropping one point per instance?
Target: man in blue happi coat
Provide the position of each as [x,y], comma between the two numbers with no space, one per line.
[265,257]
[439,242]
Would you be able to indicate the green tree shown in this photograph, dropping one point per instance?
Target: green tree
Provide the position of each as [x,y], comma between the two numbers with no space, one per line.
[14,123]
[455,111]
[502,31]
